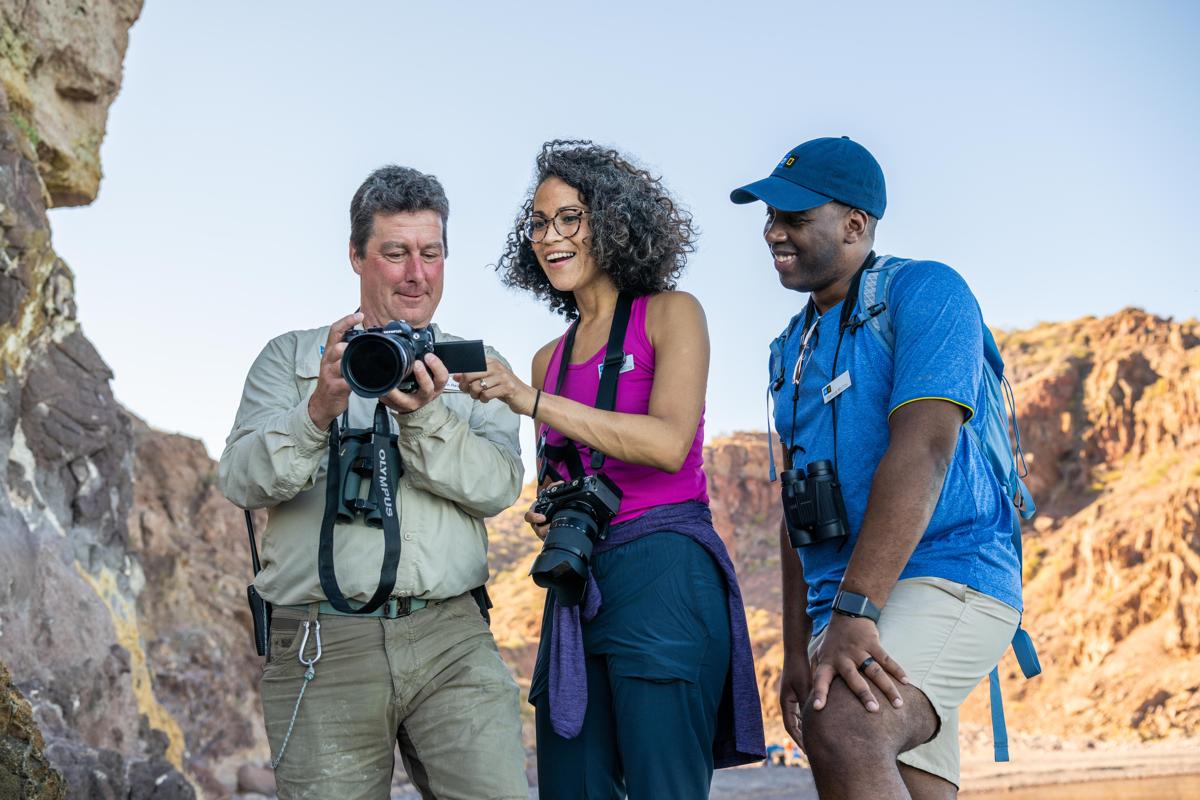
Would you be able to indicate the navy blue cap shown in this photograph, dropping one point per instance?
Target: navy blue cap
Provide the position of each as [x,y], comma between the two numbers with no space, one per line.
[818,171]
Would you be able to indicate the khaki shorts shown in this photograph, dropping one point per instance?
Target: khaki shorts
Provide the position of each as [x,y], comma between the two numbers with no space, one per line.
[947,637]
[432,681]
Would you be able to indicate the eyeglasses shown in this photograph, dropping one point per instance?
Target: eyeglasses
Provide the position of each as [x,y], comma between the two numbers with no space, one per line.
[566,222]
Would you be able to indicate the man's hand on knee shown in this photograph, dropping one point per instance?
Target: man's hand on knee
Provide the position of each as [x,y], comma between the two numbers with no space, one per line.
[850,649]
[794,686]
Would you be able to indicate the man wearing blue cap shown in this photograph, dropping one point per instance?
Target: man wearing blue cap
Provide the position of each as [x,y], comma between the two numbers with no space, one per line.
[896,530]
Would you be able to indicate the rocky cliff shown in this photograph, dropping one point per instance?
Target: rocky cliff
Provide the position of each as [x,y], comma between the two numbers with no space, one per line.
[70,630]
[1111,413]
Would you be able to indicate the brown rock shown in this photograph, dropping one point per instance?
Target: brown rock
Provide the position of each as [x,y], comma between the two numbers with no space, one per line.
[61,68]
[25,773]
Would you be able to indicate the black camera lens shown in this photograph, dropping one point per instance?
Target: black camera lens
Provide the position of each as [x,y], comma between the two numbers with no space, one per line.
[374,364]
[579,513]
[563,563]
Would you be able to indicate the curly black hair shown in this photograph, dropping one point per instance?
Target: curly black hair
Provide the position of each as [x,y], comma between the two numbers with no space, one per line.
[639,236]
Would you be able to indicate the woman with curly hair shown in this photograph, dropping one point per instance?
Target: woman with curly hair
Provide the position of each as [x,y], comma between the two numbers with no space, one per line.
[647,684]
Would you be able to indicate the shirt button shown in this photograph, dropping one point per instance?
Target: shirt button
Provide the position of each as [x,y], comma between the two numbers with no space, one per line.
[408,537]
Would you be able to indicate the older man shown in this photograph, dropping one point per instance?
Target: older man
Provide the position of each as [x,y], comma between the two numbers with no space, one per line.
[420,667]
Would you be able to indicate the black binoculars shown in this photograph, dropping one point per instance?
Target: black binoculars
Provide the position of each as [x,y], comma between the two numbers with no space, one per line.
[813,509]
[357,461]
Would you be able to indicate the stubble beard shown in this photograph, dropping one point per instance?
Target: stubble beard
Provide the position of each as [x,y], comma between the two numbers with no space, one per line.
[813,272]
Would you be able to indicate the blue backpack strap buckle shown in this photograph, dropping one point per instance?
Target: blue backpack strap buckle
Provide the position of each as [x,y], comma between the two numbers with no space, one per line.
[1026,653]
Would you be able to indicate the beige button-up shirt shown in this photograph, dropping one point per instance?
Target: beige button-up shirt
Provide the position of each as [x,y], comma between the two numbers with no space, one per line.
[462,463]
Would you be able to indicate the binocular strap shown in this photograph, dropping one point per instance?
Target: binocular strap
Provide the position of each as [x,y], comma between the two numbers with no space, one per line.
[381,443]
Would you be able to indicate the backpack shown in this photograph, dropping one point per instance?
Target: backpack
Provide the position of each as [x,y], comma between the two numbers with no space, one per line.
[989,428]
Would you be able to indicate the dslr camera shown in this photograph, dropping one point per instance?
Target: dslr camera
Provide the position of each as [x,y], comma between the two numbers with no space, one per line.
[378,360]
[579,513]
[813,508]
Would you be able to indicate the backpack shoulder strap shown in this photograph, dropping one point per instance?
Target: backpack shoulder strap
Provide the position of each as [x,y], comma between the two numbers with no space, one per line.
[873,300]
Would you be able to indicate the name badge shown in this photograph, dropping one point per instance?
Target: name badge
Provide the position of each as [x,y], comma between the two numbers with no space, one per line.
[835,387]
[625,367]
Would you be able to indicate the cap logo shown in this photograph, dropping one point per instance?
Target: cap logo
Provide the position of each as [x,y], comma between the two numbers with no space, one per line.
[788,161]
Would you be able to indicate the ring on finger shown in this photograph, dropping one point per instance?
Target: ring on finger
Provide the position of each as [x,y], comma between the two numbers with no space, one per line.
[868,661]
[482,384]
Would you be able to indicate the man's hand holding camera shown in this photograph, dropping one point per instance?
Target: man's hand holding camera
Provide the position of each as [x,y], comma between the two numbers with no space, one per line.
[332,394]
[431,376]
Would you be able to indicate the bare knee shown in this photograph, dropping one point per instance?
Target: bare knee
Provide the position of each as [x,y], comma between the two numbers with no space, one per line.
[844,732]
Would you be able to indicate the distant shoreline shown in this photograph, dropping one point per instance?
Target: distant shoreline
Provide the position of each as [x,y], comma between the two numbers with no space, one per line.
[1076,764]
[1054,767]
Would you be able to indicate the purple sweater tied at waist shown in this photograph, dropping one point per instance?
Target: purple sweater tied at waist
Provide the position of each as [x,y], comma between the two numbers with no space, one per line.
[740,739]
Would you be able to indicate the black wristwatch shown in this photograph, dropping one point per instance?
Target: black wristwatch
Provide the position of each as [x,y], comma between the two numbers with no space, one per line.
[849,604]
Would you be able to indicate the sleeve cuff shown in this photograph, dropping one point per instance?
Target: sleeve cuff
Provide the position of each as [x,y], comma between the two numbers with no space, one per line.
[970,411]
[309,438]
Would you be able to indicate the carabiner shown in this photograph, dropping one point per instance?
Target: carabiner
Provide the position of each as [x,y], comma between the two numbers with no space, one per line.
[304,643]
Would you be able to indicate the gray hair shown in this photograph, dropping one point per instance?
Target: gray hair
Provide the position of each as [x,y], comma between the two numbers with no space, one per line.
[392,190]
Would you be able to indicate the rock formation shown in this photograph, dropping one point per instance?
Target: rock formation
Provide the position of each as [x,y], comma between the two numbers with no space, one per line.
[69,622]
[1111,412]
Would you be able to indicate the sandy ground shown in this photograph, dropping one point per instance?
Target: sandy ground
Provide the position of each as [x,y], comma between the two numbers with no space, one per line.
[1036,762]
[1072,762]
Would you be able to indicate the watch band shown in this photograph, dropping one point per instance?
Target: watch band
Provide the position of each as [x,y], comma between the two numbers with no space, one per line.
[850,604]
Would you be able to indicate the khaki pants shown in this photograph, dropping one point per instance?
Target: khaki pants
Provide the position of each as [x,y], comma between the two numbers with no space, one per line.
[947,637]
[432,681]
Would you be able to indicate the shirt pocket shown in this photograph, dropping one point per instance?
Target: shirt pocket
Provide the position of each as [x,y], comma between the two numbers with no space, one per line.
[307,369]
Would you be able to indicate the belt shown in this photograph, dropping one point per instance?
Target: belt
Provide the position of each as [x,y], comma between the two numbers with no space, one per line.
[394,608]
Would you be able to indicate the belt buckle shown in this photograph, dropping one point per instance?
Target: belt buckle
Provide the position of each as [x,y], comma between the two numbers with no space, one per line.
[398,607]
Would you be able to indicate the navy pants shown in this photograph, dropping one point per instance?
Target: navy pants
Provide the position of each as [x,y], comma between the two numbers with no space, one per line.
[657,667]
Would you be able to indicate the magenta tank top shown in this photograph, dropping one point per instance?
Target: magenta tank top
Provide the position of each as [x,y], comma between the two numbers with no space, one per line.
[644,487]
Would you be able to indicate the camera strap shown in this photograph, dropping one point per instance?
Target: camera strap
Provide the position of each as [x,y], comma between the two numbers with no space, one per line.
[606,393]
[260,609]
[383,443]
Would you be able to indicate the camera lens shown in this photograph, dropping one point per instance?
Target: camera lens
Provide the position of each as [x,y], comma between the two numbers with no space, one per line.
[374,364]
[562,564]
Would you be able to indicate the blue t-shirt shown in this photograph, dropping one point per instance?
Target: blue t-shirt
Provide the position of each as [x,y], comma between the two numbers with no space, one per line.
[938,354]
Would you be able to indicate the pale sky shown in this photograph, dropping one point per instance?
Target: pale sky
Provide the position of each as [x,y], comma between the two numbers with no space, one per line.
[1049,152]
